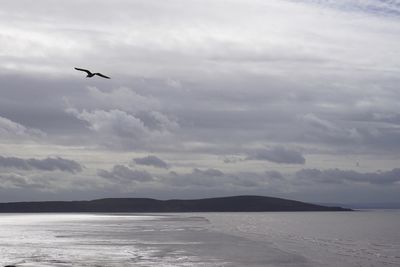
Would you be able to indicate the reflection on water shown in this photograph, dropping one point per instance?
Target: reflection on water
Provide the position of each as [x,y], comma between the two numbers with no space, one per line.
[201,239]
[129,240]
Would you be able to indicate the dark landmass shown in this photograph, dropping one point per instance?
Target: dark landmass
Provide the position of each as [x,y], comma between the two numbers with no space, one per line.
[222,204]
[384,205]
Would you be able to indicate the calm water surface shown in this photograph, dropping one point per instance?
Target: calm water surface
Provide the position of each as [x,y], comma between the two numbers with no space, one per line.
[367,238]
[363,238]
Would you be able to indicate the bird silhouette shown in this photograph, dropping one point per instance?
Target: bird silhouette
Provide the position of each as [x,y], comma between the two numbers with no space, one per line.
[91,74]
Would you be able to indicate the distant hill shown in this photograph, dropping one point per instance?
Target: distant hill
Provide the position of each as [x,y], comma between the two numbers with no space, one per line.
[383,205]
[221,204]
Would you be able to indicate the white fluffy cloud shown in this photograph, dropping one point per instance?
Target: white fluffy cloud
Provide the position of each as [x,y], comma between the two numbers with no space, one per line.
[122,118]
[119,129]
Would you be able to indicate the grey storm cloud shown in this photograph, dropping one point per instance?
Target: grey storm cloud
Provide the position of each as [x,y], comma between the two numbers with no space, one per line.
[26,182]
[337,176]
[232,159]
[123,98]
[327,131]
[121,173]
[274,175]
[47,164]
[208,172]
[12,130]
[278,154]
[287,82]
[208,178]
[197,178]
[202,178]
[45,182]
[14,181]
[151,161]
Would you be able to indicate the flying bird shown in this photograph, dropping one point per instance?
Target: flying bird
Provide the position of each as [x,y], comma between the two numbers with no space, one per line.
[91,74]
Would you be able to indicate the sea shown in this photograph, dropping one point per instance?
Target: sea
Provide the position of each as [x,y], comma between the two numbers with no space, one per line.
[359,238]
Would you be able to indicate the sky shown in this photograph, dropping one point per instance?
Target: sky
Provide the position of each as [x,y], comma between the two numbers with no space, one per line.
[287,98]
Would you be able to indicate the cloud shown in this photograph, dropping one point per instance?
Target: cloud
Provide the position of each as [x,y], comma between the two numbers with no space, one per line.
[208,172]
[44,182]
[337,176]
[279,155]
[57,163]
[122,98]
[151,161]
[12,130]
[120,129]
[113,122]
[274,175]
[202,178]
[11,180]
[152,48]
[208,178]
[48,164]
[366,129]
[325,130]
[232,159]
[203,88]
[120,173]
[122,118]
[379,8]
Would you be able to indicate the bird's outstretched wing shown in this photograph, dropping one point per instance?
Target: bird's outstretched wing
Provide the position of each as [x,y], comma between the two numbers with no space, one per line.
[87,71]
[102,75]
